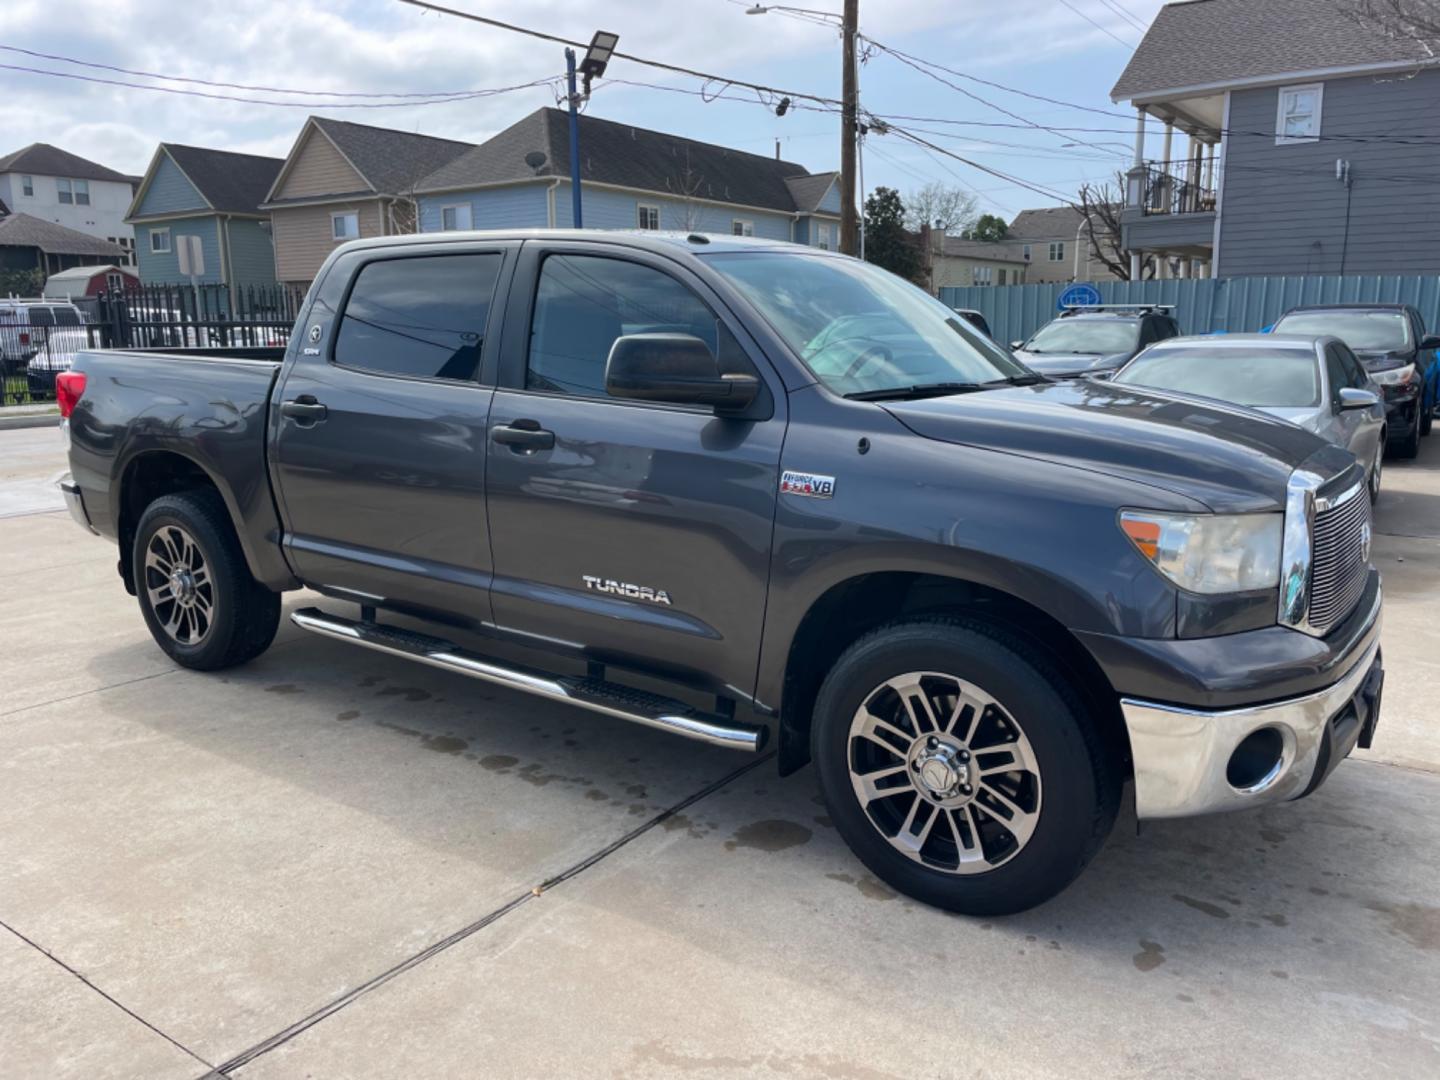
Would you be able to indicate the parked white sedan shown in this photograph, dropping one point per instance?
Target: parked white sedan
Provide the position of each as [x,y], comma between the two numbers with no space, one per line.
[1315,382]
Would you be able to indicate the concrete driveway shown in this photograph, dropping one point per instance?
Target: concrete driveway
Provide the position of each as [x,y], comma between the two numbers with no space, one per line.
[331,864]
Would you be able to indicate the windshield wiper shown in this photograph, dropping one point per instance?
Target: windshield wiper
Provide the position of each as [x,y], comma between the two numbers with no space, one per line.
[923,390]
[1019,380]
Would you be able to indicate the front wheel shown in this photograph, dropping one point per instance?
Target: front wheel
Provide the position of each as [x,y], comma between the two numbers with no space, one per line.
[1409,445]
[201,604]
[1374,480]
[960,768]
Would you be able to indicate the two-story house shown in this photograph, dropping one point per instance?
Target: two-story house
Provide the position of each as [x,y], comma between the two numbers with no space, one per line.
[1055,242]
[344,181]
[630,178]
[1298,138]
[953,261]
[54,185]
[211,194]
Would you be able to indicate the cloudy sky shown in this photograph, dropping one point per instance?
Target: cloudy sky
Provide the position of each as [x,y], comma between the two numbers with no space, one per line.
[1069,50]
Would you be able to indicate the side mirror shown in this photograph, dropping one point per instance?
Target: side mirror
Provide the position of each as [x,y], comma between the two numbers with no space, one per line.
[676,368]
[1103,376]
[1016,344]
[1430,341]
[1353,398]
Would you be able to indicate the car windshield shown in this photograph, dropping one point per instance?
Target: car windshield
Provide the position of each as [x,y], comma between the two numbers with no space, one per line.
[1363,331]
[1098,337]
[860,329]
[1273,378]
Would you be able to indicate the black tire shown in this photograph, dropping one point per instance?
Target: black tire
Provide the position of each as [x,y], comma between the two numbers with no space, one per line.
[1373,480]
[1078,777]
[1409,445]
[245,613]
[1427,419]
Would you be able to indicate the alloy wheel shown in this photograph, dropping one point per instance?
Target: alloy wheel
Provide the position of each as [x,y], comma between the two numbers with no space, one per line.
[944,772]
[179,586]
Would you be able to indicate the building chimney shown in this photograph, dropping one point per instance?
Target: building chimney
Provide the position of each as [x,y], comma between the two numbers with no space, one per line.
[777,149]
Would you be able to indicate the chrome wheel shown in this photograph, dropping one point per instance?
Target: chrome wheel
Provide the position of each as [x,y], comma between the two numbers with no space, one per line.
[1375,469]
[944,772]
[179,586]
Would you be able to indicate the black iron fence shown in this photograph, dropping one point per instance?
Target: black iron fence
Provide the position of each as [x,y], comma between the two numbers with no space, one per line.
[38,338]
[1177,187]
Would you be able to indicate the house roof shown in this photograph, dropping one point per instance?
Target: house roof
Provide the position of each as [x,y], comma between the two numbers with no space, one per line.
[955,247]
[1215,43]
[85,273]
[808,191]
[391,162]
[229,182]
[42,159]
[23,230]
[629,156]
[1042,224]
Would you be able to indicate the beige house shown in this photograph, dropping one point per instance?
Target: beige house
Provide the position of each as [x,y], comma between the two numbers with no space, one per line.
[953,262]
[343,181]
[1056,245]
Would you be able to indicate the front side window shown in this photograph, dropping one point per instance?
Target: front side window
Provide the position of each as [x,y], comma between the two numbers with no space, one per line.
[1057,251]
[455,217]
[345,226]
[741,227]
[1298,118]
[648,217]
[82,192]
[64,191]
[423,317]
[27,185]
[861,329]
[1089,337]
[584,302]
[159,241]
[1260,378]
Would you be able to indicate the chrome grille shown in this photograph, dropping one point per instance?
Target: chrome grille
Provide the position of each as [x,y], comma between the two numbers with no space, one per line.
[1340,558]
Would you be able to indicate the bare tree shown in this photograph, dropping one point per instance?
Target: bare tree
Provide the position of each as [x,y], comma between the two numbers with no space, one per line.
[1100,205]
[687,185]
[1416,21]
[939,206]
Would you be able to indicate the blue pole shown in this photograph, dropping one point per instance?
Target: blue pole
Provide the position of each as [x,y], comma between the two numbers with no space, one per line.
[574,140]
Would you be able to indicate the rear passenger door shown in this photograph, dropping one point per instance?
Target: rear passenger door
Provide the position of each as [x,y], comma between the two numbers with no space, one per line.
[628,532]
[379,430]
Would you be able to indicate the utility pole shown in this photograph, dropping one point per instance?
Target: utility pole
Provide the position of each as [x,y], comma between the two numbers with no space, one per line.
[849,129]
[574,99]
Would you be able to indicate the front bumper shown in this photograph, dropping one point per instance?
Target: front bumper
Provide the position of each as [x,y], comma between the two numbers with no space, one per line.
[1185,759]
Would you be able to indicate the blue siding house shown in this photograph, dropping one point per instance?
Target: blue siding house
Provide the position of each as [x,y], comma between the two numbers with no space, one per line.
[630,178]
[212,194]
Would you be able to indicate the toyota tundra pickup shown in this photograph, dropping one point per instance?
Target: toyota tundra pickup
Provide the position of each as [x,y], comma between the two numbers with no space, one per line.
[757,494]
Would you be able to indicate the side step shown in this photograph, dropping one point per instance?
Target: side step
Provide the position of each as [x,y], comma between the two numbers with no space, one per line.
[593,694]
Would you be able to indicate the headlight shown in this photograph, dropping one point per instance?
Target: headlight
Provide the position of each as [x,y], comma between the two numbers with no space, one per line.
[1393,376]
[1209,553]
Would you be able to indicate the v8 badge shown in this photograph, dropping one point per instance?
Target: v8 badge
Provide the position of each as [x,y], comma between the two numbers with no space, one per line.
[813,485]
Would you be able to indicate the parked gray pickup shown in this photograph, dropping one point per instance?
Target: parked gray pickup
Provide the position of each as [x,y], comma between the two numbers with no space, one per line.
[798,495]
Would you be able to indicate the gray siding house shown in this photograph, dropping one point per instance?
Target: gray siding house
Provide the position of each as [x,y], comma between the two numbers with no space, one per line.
[1297,140]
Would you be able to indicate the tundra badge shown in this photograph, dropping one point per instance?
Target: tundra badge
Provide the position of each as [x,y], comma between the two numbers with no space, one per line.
[625,589]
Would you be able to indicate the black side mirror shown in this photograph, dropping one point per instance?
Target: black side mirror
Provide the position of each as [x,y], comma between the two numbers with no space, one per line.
[1430,341]
[677,368]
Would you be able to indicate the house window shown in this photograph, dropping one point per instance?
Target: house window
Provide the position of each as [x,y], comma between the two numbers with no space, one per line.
[82,192]
[159,241]
[345,225]
[114,282]
[1297,119]
[741,227]
[822,235]
[1057,250]
[455,217]
[1027,252]
[27,185]
[62,187]
[648,216]
[1002,276]
[983,275]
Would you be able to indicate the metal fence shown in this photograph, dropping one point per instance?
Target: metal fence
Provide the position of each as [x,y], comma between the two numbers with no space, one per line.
[1202,306]
[39,338]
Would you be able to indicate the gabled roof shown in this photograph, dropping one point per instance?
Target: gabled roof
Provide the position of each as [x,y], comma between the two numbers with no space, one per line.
[391,162]
[22,230]
[85,273]
[1041,224]
[998,251]
[42,159]
[1220,43]
[625,156]
[230,183]
[809,191]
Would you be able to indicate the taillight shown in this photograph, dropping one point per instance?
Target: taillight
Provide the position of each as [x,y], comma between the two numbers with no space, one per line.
[24,338]
[69,385]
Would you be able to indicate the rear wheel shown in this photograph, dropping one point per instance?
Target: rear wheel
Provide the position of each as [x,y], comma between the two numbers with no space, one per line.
[961,769]
[201,604]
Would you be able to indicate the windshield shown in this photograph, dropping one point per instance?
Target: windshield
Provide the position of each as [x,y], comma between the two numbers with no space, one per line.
[1273,378]
[1363,331]
[1091,336]
[859,328]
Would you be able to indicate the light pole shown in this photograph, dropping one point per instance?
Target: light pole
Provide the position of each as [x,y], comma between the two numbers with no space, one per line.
[602,46]
[849,111]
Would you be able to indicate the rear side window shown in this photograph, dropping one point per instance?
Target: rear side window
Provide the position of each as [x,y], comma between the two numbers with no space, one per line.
[423,317]
[584,302]
[41,316]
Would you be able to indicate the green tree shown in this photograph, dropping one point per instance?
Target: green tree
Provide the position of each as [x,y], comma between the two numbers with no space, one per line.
[887,244]
[23,283]
[987,227]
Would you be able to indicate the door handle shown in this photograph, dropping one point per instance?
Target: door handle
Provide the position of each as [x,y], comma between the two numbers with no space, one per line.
[304,409]
[523,435]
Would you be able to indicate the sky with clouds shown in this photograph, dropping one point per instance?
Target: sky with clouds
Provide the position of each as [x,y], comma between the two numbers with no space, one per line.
[1069,50]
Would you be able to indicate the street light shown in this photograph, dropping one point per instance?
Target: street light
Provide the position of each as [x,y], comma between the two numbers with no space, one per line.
[597,56]
[602,46]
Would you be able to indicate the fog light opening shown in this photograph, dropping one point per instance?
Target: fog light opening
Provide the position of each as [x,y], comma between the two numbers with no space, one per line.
[1257,761]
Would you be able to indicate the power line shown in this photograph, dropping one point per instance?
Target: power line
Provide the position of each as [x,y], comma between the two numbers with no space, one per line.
[1098,26]
[1129,19]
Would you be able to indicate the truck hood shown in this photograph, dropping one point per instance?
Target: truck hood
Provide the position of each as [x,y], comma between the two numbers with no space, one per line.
[1231,459]
[1059,365]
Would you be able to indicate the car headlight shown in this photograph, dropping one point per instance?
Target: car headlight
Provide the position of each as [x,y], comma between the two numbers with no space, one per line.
[1209,553]
[1395,376]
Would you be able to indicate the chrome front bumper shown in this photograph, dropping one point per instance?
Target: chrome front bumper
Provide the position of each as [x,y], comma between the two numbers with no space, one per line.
[74,502]
[1182,755]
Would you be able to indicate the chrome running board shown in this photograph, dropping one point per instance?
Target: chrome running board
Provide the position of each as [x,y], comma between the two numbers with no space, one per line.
[596,695]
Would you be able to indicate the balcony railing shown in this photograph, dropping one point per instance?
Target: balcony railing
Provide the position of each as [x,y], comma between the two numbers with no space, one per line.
[1172,187]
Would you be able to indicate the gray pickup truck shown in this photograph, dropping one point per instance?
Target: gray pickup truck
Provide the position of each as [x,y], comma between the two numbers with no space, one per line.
[748,492]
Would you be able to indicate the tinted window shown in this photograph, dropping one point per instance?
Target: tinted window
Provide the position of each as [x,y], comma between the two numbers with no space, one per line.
[1364,331]
[1262,377]
[65,316]
[1354,371]
[40,316]
[1090,336]
[423,317]
[1335,373]
[583,303]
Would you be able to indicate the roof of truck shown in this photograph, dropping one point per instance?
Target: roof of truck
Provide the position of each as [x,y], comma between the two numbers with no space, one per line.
[655,240]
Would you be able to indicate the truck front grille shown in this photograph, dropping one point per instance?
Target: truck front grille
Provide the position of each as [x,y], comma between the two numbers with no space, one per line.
[1340,558]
